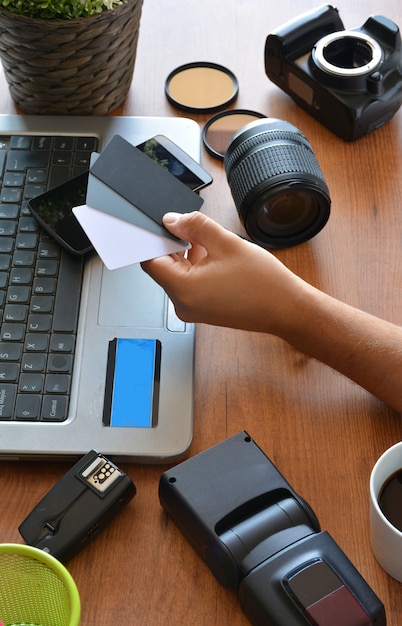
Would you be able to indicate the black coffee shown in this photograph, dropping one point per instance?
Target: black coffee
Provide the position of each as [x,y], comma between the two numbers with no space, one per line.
[390,499]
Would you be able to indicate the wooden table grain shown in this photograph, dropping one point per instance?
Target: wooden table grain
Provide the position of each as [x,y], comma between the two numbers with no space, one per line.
[323,432]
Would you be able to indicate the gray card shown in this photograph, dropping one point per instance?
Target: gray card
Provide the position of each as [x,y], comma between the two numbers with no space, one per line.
[102,197]
[142,182]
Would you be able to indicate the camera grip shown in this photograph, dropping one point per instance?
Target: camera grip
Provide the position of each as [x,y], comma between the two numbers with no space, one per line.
[298,36]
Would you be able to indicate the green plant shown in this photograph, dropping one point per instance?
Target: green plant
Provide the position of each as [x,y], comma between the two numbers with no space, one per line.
[59,9]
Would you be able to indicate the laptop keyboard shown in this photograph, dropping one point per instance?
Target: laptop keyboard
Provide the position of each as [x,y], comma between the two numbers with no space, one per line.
[40,284]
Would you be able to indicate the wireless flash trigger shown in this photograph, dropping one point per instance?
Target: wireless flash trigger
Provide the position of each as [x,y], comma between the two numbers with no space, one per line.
[78,507]
[259,538]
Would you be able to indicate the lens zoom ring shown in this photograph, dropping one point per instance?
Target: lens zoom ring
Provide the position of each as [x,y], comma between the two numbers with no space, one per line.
[271,161]
[264,138]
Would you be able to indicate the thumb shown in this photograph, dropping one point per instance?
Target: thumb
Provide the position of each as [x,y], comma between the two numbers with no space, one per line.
[197,228]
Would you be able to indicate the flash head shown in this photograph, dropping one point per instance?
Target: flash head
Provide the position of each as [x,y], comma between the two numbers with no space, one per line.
[262,540]
[276,182]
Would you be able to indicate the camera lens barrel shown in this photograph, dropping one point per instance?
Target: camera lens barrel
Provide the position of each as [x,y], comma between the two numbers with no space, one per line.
[276,182]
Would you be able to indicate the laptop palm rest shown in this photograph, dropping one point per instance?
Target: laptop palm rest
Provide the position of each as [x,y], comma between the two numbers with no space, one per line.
[119,305]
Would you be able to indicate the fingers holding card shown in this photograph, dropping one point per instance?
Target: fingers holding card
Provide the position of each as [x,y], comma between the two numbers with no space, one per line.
[128,194]
[120,243]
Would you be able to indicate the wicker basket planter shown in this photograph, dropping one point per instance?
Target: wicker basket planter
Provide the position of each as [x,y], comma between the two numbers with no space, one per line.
[77,67]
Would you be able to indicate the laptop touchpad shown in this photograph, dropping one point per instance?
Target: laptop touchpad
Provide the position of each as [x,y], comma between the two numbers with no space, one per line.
[129,297]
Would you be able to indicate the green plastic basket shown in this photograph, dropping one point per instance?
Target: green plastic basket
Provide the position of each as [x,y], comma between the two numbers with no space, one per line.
[36,589]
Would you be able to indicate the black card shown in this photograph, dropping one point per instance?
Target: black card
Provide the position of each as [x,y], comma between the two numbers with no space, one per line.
[142,182]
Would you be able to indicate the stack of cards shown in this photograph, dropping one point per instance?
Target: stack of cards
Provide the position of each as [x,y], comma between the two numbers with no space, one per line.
[128,194]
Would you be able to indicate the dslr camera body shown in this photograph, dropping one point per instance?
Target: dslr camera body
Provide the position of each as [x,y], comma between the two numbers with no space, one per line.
[262,540]
[349,80]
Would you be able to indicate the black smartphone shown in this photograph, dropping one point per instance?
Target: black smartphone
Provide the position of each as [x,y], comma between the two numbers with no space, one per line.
[172,158]
[53,209]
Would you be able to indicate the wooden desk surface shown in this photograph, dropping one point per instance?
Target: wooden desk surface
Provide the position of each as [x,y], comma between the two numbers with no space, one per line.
[323,432]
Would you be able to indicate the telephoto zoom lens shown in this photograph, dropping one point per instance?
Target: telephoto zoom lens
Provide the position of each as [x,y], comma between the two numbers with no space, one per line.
[276,182]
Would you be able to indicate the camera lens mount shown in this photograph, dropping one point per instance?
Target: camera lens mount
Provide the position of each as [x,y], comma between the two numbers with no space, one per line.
[347,54]
[276,183]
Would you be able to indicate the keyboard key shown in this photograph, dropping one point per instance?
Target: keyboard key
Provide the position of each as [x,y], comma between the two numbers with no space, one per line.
[5,260]
[24,258]
[26,241]
[64,143]
[28,406]
[47,267]
[39,323]
[48,250]
[82,159]
[9,372]
[21,276]
[7,227]
[41,143]
[37,175]
[70,277]
[10,351]
[9,194]
[42,304]
[31,191]
[44,285]
[57,383]
[36,342]
[61,158]
[32,362]
[15,312]
[60,363]
[18,294]
[20,160]
[62,343]
[3,155]
[24,209]
[9,211]
[12,332]
[87,143]
[7,399]
[31,383]
[28,224]
[6,244]
[54,408]
[21,142]
[13,179]
[59,175]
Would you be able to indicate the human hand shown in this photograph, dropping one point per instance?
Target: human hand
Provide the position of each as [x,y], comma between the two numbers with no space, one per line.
[223,280]
[227,281]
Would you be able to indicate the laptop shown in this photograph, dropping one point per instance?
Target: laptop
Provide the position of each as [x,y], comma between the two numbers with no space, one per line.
[123,338]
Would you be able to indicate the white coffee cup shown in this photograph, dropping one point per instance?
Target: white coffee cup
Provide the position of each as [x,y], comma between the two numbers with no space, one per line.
[386,540]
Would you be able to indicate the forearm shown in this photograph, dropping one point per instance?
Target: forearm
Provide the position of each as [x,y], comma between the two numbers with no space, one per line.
[366,349]
[227,281]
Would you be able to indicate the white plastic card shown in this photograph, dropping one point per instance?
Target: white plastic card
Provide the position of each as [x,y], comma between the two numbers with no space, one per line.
[120,243]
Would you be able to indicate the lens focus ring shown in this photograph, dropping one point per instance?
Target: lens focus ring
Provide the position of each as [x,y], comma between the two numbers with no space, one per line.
[268,155]
[261,139]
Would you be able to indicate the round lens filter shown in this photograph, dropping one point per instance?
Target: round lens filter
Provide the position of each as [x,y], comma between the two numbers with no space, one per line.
[201,87]
[219,130]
